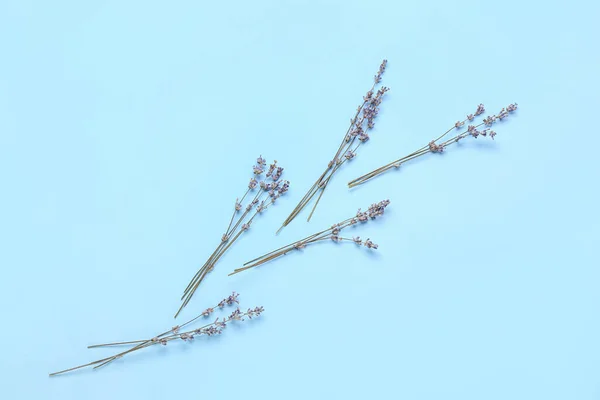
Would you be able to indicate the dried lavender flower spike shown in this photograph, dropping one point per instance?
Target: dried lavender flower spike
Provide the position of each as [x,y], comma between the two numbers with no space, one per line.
[332,233]
[267,194]
[356,135]
[438,146]
[176,333]
[380,72]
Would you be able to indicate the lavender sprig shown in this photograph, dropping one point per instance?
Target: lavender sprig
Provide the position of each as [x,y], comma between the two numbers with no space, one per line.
[268,190]
[332,233]
[356,135]
[435,146]
[177,333]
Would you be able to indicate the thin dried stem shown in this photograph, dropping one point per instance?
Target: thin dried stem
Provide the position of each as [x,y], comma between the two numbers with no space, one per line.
[373,211]
[174,333]
[369,108]
[435,147]
[239,222]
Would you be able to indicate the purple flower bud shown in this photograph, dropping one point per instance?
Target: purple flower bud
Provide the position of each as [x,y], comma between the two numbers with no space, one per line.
[369,244]
[436,148]
[489,120]
[236,315]
[381,71]
[480,109]
[207,312]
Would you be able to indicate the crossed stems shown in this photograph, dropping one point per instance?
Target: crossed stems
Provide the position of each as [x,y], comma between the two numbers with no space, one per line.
[314,238]
[332,167]
[172,334]
[422,151]
[223,246]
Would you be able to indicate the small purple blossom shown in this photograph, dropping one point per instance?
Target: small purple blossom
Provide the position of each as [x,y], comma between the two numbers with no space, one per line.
[458,124]
[220,324]
[361,216]
[207,312]
[480,109]
[272,169]
[335,229]
[370,245]
[470,117]
[357,240]
[257,169]
[277,173]
[211,331]
[377,209]
[236,315]
[489,121]
[261,161]
[472,130]
[381,71]
[232,298]
[284,187]
[363,137]
[261,207]
[436,148]
[255,312]
[252,184]
[238,205]
[356,131]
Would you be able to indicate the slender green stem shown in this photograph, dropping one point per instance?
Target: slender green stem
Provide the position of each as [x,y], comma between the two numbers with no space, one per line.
[235,211]
[143,344]
[316,186]
[396,163]
[326,233]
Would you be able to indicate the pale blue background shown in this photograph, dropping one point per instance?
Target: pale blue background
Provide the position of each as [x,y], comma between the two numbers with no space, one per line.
[128,128]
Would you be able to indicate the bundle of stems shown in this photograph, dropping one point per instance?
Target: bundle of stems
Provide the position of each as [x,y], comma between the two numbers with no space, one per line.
[356,134]
[333,233]
[269,190]
[435,146]
[175,333]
